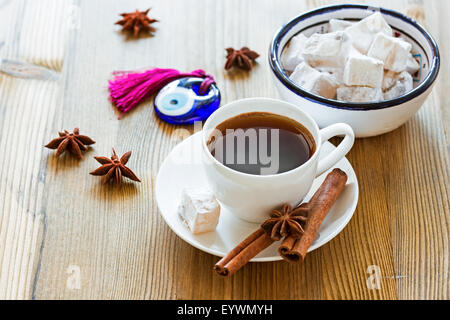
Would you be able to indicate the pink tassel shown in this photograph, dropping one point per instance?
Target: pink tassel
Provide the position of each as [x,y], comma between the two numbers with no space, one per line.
[128,89]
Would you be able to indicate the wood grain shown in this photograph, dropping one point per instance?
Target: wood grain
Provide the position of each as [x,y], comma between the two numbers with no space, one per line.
[58,223]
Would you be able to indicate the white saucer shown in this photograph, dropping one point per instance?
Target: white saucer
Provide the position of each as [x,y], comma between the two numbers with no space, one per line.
[182,168]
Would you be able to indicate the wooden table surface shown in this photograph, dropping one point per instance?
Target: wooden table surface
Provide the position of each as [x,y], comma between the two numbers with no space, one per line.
[63,235]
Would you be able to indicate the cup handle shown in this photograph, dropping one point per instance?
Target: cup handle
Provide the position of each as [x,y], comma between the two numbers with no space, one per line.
[341,150]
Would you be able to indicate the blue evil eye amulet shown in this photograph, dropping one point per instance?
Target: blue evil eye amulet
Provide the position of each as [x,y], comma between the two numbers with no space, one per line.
[179,102]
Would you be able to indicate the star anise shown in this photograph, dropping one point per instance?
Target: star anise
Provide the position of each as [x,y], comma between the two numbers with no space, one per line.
[242,58]
[73,142]
[114,168]
[137,21]
[285,222]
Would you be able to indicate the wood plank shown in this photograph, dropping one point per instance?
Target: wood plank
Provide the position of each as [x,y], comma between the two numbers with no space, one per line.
[24,128]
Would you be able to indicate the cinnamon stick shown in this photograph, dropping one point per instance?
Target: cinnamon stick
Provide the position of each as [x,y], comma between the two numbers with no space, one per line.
[243,252]
[294,250]
[291,249]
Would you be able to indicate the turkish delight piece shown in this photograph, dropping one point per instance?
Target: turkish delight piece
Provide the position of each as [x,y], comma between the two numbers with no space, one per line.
[361,70]
[339,25]
[403,85]
[326,50]
[363,32]
[292,54]
[199,210]
[389,79]
[394,52]
[412,66]
[312,80]
[382,47]
[359,94]
[335,73]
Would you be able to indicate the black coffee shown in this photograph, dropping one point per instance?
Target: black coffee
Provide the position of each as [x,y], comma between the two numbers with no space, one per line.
[261,143]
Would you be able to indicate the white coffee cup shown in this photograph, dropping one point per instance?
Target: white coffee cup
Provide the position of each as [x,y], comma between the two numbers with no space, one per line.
[253,197]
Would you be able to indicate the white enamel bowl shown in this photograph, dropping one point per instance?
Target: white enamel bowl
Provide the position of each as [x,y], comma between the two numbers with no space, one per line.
[366,119]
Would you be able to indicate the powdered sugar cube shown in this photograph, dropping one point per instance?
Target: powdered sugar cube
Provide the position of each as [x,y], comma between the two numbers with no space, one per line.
[359,94]
[320,83]
[292,54]
[403,85]
[361,70]
[394,52]
[326,50]
[199,210]
[412,66]
[362,32]
[339,25]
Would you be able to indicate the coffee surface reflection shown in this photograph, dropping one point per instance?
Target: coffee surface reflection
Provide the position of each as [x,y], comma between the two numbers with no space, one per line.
[261,143]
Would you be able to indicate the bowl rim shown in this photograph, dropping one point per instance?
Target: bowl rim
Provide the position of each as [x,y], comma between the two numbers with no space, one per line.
[276,68]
